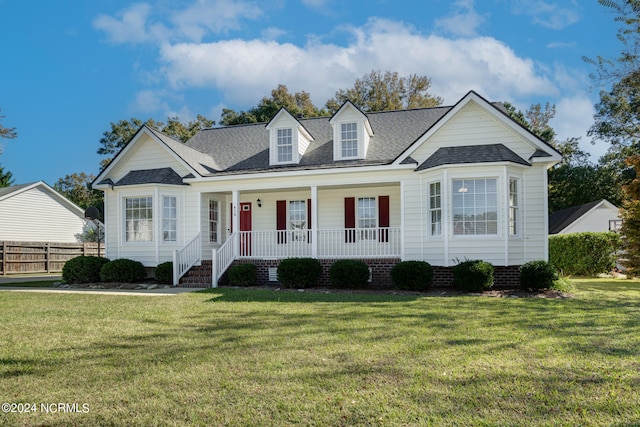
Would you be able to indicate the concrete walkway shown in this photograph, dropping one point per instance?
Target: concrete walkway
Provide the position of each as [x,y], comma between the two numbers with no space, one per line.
[38,278]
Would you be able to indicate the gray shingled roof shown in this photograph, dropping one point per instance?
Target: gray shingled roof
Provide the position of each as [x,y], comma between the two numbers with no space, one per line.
[246,147]
[155,176]
[8,190]
[472,154]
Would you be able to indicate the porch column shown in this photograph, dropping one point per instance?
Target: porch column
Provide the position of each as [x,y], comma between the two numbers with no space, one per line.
[235,221]
[313,223]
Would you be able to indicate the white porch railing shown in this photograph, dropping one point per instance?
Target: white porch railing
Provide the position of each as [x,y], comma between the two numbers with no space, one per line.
[186,258]
[336,243]
[221,259]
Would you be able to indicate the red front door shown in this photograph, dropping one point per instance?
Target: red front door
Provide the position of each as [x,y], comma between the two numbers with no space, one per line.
[245,225]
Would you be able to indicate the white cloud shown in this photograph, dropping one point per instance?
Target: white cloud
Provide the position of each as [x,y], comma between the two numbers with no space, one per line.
[455,66]
[574,117]
[547,14]
[130,27]
[463,22]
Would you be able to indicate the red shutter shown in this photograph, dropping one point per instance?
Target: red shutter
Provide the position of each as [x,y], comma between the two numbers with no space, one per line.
[309,220]
[281,220]
[350,219]
[383,218]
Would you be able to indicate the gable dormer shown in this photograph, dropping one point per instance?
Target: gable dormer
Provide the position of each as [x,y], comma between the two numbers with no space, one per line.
[288,139]
[351,133]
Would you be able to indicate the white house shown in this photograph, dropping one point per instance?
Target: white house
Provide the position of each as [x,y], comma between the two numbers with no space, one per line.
[36,212]
[600,215]
[437,184]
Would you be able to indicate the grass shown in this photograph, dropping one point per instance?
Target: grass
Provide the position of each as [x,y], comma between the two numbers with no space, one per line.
[254,358]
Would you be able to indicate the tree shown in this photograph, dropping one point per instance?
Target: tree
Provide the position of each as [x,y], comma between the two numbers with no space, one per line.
[384,92]
[122,131]
[298,104]
[5,178]
[630,214]
[77,188]
[7,133]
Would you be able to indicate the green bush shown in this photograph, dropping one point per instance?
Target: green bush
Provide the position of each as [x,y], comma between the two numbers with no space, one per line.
[473,276]
[164,273]
[83,269]
[243,275]
[412,275]
[123,270]
[584,254]
[537,275]
[299,272]
[349,274]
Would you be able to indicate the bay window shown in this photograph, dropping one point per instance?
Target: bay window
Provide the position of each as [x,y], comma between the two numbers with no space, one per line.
[138,214]
[169,218]
[475,206]
[435,209]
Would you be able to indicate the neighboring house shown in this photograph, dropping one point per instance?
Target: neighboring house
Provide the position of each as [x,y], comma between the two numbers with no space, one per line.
[600,215]
[36,212]
[438,184]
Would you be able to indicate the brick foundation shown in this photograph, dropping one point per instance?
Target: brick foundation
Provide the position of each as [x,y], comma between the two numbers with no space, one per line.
[200,276]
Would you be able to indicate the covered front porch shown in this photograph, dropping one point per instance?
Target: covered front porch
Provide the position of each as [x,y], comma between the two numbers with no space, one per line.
[357,222]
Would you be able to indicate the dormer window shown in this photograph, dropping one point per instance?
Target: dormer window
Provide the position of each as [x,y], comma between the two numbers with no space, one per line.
[349,139]
[351,133]
[285,145]
[288,139]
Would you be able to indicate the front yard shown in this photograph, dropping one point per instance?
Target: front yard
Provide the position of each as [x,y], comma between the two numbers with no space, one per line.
[257,357]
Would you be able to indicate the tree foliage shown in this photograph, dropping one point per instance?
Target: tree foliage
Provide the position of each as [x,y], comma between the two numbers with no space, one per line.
[7,133]
[121,132]
[6,178]
[298,104]
[630,214]
[384,92]
[77,188]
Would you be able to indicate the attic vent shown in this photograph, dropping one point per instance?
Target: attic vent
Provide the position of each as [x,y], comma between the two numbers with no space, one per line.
[273,274]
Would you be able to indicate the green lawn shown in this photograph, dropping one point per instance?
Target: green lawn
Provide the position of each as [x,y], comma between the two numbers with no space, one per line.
[250,357]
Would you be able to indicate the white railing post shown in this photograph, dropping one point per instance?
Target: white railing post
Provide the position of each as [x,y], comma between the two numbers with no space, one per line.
[214,268]
[176,274]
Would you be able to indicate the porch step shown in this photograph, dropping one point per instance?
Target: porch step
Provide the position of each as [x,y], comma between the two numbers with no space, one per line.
[198,276]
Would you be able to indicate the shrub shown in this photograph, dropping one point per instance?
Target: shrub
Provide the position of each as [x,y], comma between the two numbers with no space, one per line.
[243,275]
[123,270]
[584,254]
[299,272]
[83,269]
[412,275]
[164,273]
[537,275]
[349,274]
[473,276]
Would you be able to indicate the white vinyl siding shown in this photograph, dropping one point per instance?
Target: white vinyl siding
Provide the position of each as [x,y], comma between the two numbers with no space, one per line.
[38,215]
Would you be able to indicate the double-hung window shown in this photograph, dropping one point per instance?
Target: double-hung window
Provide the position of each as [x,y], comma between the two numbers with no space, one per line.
[367,218]
[169,218]
[298,219]
[138,214]
[435,209]
[514,228]
[349,139]
[285,145]
[214,221]
[475,207]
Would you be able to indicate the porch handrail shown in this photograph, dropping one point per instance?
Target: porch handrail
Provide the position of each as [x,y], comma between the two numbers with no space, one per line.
[185,258]
[221,259]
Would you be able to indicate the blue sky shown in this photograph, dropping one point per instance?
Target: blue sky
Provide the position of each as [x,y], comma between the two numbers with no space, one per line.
[70,68]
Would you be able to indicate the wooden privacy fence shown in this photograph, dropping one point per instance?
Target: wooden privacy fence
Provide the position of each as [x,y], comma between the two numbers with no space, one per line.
[41,257]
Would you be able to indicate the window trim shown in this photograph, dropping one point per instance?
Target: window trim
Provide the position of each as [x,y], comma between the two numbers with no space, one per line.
[174,219]
[431,210]
[498,195]
[125,230]
[278,145]
[210,221]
